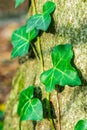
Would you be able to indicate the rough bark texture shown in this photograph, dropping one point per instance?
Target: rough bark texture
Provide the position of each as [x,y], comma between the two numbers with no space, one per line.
[69,26]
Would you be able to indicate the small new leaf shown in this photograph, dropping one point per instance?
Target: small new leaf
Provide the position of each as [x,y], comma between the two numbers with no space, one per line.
[18,2]
[49,7]
[28,106]
[62,72]
[38,21]
[21,41]
[81,125]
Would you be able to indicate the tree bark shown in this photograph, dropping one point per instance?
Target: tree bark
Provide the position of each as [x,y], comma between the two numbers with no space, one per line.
[69,25]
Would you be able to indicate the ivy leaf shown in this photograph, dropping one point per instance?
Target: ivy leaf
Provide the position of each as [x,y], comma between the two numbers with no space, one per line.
[49,7]
[21,41]
[81,125]
[39,21]
[32,34]
[28,106]
[18,2]
[62,72]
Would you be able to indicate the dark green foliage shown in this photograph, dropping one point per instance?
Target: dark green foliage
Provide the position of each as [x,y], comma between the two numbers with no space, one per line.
[21,41]
[49,7]
[41,21]
[81,125]
[62,72]
[28,106]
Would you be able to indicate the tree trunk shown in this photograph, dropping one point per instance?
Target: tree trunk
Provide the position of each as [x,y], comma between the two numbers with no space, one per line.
[68,26]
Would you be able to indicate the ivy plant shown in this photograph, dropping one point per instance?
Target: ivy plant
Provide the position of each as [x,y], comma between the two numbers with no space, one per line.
[29,106]
[81,125]
[41,21]
[21,41]
[22,37]
[62,73]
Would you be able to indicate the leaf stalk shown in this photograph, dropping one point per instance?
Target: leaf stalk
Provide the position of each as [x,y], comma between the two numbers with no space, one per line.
[40,54]
[49,111]
[38,39]
[42,68]
[34,11]
[35,52]
[59,116]
[19,125]
[34,6]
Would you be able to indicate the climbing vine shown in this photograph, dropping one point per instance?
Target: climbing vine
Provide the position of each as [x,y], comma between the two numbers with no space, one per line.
[62,73]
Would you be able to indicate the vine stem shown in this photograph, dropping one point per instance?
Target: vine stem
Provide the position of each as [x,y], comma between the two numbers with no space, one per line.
[42,68]
[49,111]
[58,108]
[34,6]
[40,54]
[34,11]
[38,39]
[19,125]
[35,52]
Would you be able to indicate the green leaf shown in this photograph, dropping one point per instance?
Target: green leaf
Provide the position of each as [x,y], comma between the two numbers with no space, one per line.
[1,125]
[49,7]
[28,106]
[38,21]
[24,96]
[62,72]
[81,125]
[32,34]
[18,2]
[20,50]
[21,41]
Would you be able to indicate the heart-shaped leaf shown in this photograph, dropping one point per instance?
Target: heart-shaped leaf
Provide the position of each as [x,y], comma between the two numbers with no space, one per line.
[28,106]
[49,7]
[81,125]
[21,41]
[41,21]
[18,2]
[38,21]
[62,72]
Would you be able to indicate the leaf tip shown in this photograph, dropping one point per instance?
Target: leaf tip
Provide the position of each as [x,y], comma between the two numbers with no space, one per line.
[49,7]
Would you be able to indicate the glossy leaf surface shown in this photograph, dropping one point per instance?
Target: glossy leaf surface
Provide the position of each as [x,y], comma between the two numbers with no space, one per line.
[32,34]
[38,21]
[29,108]
[49,7]
[18,2]
[62,72]
[81,125]
[21,41]
[41,21]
